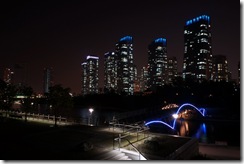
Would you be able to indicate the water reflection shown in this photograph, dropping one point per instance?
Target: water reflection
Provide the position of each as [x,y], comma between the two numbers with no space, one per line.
[192,129]
[184,129]
[201,133]
[210,132]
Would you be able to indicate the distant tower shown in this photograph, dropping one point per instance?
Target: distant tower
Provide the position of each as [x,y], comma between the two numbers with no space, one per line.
[157,60]
[172,69]
[124,66]
[144,79]
[7,75]
[220,68]
[90,75]
[84,77]
[47,79]
[136,80]
[197,64]
[110,73]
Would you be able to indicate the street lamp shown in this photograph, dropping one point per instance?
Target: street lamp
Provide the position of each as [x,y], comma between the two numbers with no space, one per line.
[90,110]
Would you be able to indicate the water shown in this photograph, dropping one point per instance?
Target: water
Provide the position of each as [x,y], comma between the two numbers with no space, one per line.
[210,132]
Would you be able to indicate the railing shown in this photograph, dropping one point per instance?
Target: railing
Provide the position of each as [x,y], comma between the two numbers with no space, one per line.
[139,153]
[33,116]
[123,137]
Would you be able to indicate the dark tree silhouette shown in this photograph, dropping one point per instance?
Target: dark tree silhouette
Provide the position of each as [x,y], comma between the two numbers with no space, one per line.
[7,94]
[26,102]
[60,99]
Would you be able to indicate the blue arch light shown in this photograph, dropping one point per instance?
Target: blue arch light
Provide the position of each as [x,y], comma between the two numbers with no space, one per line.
[201,110]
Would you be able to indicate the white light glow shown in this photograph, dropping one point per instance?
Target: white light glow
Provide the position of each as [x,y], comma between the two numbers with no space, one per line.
[91,110]
[175,115]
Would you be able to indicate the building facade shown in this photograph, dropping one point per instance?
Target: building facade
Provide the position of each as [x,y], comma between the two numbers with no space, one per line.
[157,63]
[197,63]
[89,76]
[144,79]
[8,76]
[47,79]
[172,69]
[110,73]
[124,65]
[84,83]
[220,68]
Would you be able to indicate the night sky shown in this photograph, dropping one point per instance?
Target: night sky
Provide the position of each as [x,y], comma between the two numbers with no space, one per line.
[60,34]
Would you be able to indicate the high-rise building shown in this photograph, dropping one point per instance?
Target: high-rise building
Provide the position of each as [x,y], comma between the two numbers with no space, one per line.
[144,79]
[84,78]
[47,79]
[124,66]
[157,62]
[220,68]
[136,80]
[89,76]
[172,69]
[197,64]
[110,73]
[8,75]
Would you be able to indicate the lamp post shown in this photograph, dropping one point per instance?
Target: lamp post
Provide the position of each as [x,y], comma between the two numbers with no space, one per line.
[90,110]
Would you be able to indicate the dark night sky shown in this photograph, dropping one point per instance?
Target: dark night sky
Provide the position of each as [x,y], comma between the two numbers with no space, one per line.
[60,34]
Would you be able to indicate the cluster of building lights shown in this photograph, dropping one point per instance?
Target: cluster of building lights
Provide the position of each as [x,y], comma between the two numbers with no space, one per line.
[170,106]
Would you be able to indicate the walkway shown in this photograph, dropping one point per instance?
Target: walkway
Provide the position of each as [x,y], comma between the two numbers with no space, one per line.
[220,152]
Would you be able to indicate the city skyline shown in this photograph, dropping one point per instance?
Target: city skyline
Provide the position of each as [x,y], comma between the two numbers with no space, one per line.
[61,35]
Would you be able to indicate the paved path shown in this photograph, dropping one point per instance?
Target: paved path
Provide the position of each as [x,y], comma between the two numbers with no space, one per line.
[220,152]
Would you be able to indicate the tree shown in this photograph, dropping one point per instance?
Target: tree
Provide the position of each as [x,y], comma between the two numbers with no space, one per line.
[60,99]
[7,94]
[26,102]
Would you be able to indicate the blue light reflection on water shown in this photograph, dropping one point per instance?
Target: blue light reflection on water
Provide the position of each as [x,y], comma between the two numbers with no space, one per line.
[201,133]
[211,132]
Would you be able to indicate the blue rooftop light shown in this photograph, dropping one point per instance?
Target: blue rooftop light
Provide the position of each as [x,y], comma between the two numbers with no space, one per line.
[126,38]
[160,40]
[202,17]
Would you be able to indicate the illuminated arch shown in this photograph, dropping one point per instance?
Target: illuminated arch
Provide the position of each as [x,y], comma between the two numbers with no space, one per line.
[200,110]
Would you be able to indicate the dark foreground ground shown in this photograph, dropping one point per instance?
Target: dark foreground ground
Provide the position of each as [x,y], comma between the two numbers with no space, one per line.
[21,140]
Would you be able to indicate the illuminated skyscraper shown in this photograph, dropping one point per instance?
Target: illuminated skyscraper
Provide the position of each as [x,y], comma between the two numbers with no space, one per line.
[172,69]
[84,77]
[157,62]
[8,75]
[124,65]
[197,64]
[47,79]
[110,73]
[220,68]
[136,80]
[89,78]
[144,79]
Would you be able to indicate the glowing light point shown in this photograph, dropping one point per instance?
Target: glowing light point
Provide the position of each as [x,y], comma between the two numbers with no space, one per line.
[91,110]
[175,115]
